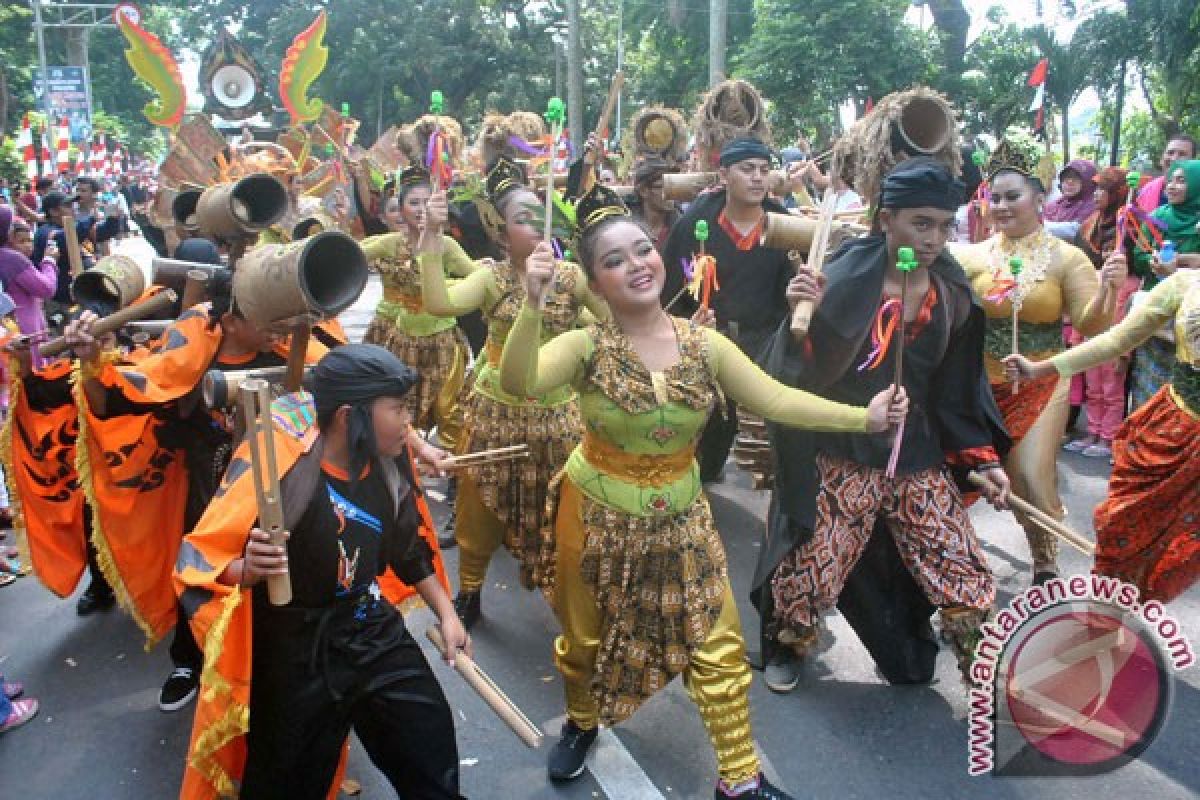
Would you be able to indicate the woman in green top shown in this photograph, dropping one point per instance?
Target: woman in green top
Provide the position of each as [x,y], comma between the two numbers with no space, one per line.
[1154,360]
[503,502]
[633,562]
[433,345]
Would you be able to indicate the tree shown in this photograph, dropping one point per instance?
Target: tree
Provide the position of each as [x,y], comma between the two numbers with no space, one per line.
[994,95]
[1171,68]
[809,58]
[1068,75]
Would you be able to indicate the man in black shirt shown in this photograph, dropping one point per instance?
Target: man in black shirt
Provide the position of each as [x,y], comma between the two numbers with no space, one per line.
[752,299]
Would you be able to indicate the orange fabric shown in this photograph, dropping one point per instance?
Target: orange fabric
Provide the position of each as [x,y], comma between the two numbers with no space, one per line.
[1021,410]
[1146,528]
[330,332]
[177,366]
[744,242]
[40,468]
[222,623]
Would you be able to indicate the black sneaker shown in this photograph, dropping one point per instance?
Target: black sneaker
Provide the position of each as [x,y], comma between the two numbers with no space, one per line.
[782,672]
[763,791]
[446,539]
[95,599]
[181,686]
[468,607]
[567,758]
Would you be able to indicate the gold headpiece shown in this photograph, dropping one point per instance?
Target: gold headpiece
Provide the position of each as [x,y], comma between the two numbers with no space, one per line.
[412,176]
[1010,155]
[505,176]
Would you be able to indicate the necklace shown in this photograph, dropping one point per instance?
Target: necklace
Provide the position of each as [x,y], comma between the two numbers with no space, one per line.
[1036,252]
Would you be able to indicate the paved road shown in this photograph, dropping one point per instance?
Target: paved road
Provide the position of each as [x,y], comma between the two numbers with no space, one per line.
[843,734]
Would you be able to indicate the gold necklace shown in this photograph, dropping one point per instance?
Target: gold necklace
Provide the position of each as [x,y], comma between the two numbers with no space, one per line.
[1036,252]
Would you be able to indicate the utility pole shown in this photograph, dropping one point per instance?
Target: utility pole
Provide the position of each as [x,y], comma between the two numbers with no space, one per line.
[39,29]
[616,131]
[574,75]
[716,41]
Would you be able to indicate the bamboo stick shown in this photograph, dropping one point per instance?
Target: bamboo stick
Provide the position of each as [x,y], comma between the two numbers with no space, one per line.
[1043,520]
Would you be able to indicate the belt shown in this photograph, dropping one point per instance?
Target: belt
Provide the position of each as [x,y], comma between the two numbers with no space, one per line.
[642,469]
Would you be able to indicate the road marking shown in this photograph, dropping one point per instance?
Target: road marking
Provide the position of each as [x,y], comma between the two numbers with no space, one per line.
[617,772]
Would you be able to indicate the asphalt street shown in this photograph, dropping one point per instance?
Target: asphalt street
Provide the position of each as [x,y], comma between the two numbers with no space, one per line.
[844,733]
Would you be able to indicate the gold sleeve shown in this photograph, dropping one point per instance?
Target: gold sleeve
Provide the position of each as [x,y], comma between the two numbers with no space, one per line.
[527,369]
[1141,323]
[761,394]
[1080,287]
[469,294]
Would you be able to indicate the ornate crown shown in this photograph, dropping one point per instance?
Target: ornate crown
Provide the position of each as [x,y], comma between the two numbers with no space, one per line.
[599,204]
[505,176]
[1010,155]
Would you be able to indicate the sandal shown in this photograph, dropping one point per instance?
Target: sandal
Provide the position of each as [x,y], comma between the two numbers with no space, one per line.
[6,578]
[23,710]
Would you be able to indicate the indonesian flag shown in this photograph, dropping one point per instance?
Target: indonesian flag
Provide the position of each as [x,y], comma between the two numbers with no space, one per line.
[1037,78]
[25,144]
[63,145]
[96,162]
[81,163]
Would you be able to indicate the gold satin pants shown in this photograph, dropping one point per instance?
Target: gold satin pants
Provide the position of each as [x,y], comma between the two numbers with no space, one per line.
[717,678]
[1032,468]
[479,533]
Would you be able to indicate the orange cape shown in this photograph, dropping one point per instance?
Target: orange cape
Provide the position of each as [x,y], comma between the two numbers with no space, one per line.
[221,615]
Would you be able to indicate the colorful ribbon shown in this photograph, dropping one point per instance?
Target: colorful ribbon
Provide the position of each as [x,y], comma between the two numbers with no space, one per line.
[882,333]
[437,160]
[701,274]
[1133,222]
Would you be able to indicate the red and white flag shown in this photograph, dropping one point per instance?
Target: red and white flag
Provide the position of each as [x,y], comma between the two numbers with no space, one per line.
[97,158]
[1037,79]
[25,144]
[47,159]
[63,145]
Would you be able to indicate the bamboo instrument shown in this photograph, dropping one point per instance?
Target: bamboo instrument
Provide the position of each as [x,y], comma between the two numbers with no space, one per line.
[487,457]
[153,306]
[1043,520]
[802,314]
[71,235]
[487,689]
[256,410]
[589,158]
[297,354]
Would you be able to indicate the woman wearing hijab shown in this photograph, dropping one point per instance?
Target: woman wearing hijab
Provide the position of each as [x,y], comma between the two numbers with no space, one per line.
[1104,387]
[27,283]
[1066,213]
[1179,219]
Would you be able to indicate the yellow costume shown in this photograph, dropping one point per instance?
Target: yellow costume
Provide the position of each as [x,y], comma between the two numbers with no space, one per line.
[503,502]
[631,557]
[432,345]
[1055,279]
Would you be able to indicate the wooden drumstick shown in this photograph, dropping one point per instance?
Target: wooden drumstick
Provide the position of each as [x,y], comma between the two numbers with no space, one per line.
[256,410]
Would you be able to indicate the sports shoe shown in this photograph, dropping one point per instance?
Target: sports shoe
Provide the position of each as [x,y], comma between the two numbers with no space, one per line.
[446,539]
[181,686]
[782,672]
[23,710]
[95,599]
[761,790]
[13,689]
[468,606]
[567,758]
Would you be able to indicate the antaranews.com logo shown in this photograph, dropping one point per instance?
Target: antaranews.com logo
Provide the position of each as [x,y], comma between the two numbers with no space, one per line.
[1073,678]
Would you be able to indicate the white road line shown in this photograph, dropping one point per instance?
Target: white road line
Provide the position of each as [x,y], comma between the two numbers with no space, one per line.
[617,772]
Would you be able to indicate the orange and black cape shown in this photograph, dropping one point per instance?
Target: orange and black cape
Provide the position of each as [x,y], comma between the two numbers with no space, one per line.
[221,615]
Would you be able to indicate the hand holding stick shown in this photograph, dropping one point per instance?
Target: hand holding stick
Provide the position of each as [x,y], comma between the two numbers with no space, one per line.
[1015,265]
[256,409]
[906,262]
[153,306]
[802,314]
[1042,519]
[555,114]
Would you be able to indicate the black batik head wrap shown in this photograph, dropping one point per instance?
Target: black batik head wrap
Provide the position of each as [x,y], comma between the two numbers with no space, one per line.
[356,375]
[922,183]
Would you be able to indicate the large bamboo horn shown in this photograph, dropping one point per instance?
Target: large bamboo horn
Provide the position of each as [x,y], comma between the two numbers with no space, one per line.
[247,206]
[117,280]
[220,389]
[320,276]
[183,208]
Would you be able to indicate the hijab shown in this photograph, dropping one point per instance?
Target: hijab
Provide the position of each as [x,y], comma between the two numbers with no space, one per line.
[1182,219]
[1081,206]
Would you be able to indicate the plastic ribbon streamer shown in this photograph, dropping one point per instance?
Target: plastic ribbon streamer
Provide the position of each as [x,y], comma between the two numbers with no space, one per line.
[1002,289]
[883,333]
[1133,222]
[437,159]
[701,273]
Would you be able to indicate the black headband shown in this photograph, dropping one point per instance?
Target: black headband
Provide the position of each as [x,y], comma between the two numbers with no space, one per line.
[744,148]
[922,183]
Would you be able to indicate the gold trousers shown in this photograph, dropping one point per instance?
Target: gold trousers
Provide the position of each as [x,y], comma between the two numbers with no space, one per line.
[1033,472]
[479,534]
[717,677]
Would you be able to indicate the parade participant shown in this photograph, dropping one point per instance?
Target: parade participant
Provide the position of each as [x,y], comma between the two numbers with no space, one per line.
[155,456]
[432,345]
[632,531]
[55,205]
[1146,526]
[284,685]
[1104,387]
[1180,216]
[753,278]
[27,283]
[502,503]
[1054,279]
[651,207]
[832,489]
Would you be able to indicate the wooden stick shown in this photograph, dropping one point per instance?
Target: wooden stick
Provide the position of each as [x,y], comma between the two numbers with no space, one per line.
[153,306]
[588,179]
[802,314]
[487,456]
[487,689]
[1043,520]
[71,235]
[256,411]
[297,353]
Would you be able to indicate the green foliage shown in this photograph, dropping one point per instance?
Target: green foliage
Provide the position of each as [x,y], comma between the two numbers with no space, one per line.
[994,94]
[12,165]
